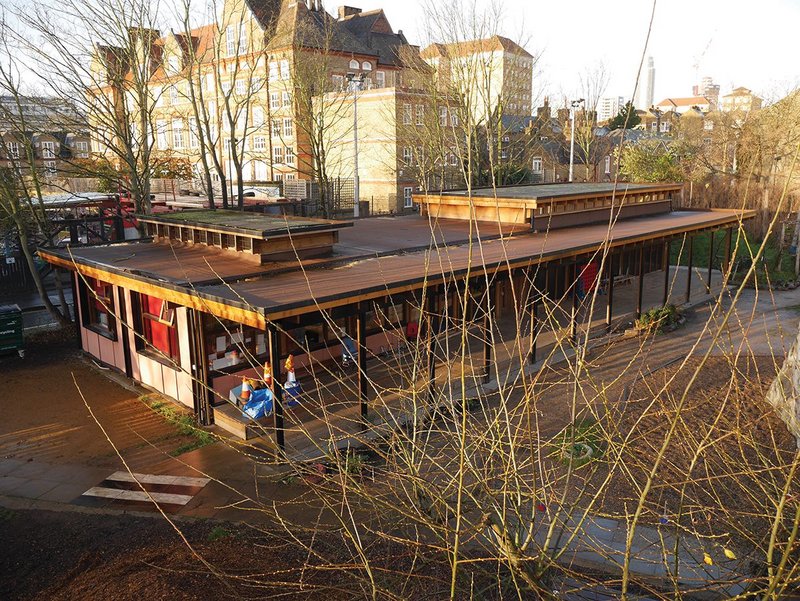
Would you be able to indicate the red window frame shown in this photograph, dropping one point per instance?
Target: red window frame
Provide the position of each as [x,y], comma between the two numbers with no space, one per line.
[98,301]
[159,328]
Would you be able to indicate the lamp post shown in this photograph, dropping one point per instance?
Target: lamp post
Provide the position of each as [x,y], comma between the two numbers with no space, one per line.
[574,104]
[356,82]
[657,113]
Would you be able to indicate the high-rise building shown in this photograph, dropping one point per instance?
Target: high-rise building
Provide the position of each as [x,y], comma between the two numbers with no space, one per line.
[647,84]
[609,107]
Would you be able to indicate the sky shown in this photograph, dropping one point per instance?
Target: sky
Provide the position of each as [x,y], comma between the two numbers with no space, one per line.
[737,42]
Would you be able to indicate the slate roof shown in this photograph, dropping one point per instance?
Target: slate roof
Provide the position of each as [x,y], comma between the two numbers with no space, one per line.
[366,33]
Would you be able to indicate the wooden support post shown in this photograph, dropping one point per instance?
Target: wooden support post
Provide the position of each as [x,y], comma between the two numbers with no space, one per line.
[573,317]
[610,301]
[487,336]
[277,387]
[361,340]
[198,355]
[710,260]
[665,266]
[534,329]
[77,309]
[728,249]
[690,242]
[640,283]
[432,330]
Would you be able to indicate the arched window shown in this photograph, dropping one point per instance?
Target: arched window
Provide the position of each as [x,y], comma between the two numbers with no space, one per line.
[354,64]
[366,66]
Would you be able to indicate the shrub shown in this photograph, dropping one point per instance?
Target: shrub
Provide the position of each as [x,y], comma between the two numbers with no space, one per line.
[659,319]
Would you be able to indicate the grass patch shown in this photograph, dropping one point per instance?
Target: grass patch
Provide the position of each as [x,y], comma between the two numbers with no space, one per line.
[183,422]
[218,533]
[6,514]
[579,443]
[776,265]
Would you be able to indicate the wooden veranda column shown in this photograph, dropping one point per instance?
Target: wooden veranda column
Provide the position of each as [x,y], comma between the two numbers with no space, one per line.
[277,387]
[665,265]
[728,249]
[361,340]
[610,303]
[199,359]
[573,315]
[640,283]
[487,336]
[690,241]
[433,328]
[710,261]
[76,309]
[534,312]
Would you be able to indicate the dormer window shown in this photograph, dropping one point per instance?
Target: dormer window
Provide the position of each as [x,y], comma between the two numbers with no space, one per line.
[354,64]
[366,66]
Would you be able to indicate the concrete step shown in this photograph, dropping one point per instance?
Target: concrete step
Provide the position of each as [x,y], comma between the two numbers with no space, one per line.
[230,419]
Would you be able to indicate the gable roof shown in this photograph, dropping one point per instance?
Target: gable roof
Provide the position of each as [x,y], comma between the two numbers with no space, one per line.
[688,101]
[368,34]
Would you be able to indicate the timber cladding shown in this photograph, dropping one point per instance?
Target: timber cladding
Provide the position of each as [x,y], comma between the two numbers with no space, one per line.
[519,204]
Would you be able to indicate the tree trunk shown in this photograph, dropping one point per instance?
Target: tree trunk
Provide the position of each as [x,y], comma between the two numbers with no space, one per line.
[37,278]
[784,394]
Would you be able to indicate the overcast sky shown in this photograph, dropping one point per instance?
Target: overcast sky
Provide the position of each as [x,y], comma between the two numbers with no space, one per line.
[737,42]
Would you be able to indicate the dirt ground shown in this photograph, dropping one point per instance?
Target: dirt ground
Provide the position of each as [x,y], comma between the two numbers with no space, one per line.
[45,418]
[729,456]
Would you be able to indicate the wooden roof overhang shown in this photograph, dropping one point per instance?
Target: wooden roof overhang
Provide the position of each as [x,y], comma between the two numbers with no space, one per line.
[268,299]
[533,196]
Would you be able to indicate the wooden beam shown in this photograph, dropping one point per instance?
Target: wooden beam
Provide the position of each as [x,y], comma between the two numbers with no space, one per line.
[610,300]
[640,283]
[690,242]
[203,410]
[277,386]
[363,381]
[665,267]
[573,317]
[487,336]
[728,250]
[431,355]
[710,259]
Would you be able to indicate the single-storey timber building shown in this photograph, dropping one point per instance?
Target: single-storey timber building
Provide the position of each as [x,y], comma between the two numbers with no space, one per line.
[209,296]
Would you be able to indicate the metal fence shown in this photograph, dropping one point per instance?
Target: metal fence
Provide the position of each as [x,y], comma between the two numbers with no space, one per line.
[339,194]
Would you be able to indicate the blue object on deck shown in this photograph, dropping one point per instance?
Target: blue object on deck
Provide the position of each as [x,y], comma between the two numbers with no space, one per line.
[292,394]
[260,404]
[349,353]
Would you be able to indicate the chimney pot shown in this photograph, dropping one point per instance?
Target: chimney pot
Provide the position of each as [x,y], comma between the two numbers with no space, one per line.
[346,11]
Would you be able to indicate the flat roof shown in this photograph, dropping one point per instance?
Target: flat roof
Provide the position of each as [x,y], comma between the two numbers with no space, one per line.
[305,291]
[540,191]
[198,264]
[196,273]
[254,225]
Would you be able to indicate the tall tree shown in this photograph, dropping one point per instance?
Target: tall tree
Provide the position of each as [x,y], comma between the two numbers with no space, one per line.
[626,118]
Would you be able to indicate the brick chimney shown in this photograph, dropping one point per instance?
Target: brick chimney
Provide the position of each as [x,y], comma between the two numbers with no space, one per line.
[346,11]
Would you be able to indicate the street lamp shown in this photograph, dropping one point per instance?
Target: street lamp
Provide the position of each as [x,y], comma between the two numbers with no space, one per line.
[574,104]
[658,113]
[356,83]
